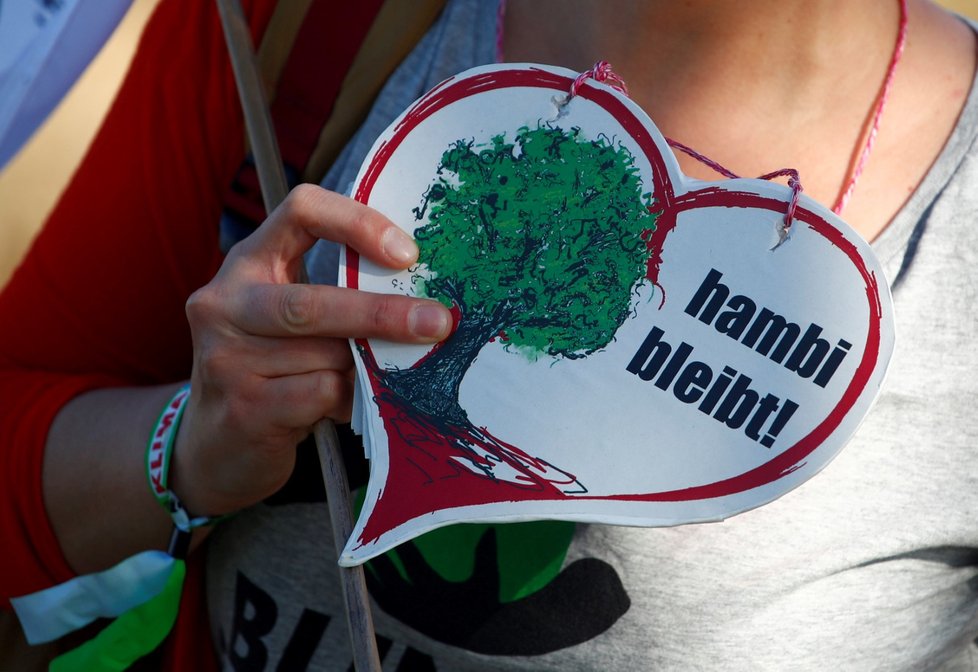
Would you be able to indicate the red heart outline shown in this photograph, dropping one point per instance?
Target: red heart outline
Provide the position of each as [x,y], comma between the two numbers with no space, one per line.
[394,513]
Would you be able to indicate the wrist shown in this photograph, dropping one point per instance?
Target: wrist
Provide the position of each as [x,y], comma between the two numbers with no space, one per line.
[196,475]
[160,452]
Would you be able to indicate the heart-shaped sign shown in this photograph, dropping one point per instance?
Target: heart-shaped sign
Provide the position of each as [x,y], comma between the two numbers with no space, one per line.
[632,346]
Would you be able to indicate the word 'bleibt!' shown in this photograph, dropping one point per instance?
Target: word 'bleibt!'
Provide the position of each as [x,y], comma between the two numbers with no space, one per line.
[727,397]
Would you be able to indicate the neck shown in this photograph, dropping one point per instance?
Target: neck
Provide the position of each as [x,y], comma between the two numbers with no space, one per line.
[684,55]
[785,84]
[792,39]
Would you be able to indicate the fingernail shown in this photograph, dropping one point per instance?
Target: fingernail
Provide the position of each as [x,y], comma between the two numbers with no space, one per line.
[430,320]
[399,246]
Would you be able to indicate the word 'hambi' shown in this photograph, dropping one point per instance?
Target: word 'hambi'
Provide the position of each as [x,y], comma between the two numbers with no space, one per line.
[766,332]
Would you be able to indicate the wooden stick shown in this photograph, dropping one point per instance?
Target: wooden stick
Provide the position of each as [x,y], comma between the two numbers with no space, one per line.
[258,120]
[274,188]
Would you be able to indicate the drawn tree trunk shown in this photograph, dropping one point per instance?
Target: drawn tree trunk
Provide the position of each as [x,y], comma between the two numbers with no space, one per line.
[543,240]
[432,385]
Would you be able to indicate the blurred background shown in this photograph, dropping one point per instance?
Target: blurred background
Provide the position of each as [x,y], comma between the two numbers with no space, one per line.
[968,7]
[31,182]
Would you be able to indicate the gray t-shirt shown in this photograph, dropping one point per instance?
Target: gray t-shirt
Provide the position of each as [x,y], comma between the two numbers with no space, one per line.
[871,565]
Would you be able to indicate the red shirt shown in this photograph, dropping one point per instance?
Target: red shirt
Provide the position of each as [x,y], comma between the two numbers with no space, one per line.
[99,299]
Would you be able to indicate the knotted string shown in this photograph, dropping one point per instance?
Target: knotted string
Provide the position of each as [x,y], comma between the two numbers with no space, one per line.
[794,182]
[602,72]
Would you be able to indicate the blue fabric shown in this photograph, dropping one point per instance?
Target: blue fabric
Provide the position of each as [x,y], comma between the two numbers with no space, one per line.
[48,614]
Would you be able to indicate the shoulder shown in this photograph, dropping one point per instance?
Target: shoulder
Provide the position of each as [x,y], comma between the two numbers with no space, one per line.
[927,110]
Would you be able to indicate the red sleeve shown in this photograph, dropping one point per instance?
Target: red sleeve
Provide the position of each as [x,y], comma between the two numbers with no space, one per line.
[99,300]
[190,646]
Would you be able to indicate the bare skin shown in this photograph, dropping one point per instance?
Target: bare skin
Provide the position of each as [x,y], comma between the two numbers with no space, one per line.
[271,357]
[781,84]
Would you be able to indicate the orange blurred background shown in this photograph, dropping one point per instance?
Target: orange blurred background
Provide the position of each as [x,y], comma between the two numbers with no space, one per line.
[967,7]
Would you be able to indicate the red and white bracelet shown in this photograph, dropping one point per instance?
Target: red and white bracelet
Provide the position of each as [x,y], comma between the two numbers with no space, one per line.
[159,452]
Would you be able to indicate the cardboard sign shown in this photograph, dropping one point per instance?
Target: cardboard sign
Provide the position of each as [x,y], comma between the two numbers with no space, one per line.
[632,346]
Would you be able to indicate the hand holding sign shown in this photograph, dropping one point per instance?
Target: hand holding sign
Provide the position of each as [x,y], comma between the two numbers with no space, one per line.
[629,348]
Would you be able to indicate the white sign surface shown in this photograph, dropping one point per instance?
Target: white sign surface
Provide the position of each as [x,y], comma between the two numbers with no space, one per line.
[632,346]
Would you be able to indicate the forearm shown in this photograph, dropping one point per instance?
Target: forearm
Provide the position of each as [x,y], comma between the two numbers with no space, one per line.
[270,359]
[95,487]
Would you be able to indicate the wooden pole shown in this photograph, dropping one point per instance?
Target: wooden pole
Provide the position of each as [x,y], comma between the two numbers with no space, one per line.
[274,188]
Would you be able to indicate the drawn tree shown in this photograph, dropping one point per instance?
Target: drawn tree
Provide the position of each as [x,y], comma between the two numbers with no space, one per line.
[540,241]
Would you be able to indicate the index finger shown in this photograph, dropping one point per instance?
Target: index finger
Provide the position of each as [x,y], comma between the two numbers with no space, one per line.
[310,213]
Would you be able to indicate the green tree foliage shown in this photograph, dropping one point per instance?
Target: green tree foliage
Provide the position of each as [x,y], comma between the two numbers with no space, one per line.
[543,237]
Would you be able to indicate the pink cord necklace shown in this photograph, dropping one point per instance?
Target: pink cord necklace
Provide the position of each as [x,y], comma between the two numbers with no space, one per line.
[884,94]
[602,72]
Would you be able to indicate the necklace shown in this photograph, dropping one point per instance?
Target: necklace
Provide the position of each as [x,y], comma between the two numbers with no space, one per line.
[602,72]
[884,94]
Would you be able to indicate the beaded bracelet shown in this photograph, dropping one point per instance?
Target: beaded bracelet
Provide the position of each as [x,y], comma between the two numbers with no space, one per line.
[159,451]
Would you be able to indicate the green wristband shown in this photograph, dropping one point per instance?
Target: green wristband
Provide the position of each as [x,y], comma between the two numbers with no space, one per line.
[159,451]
